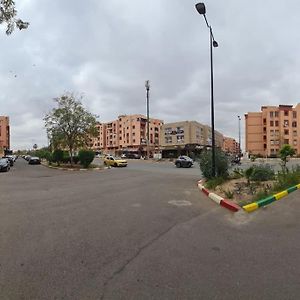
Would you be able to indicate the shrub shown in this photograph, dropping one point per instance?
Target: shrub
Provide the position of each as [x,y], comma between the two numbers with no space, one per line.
[261,173]
[86,157]
[229,194]
[57,156]
[221,164]
[214,182]
[286,179]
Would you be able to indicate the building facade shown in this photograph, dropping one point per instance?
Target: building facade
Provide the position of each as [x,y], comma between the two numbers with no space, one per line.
[274,126]
[230,145]
[4,133]
[185,137]
[127,134]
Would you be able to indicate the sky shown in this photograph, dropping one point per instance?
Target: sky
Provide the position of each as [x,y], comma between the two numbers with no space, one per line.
[106,49]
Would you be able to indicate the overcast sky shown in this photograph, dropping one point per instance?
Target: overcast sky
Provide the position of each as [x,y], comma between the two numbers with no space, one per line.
[106,49]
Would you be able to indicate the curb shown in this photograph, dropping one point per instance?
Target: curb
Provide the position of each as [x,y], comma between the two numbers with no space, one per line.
[218,199]
[263,202]
[69,169]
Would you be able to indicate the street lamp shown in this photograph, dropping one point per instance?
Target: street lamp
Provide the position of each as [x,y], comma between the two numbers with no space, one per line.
[147,86]
[239,118]
[200,7]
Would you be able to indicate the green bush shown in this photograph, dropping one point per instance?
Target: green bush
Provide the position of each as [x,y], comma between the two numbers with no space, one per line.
[222,164]
[57,156]
[262,173]
[86,157]
[212,183]
[286,179]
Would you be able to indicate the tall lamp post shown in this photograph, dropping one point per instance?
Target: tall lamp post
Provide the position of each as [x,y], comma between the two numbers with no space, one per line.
[239,118]
[147,86]
[200,7]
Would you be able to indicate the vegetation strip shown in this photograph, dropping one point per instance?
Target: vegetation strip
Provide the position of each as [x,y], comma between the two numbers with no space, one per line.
[263,202]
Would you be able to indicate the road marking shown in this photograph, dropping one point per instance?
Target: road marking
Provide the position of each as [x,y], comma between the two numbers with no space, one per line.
[180,202]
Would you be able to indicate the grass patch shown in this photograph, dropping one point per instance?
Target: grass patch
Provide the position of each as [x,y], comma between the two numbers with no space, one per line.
[214,182]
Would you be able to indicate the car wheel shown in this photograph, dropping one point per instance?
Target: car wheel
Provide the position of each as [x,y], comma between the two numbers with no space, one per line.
[178,164]
[189,165]
[115,164]
[105,163]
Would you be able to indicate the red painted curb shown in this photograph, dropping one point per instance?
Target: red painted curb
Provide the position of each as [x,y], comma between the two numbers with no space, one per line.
[230,205]
[205,191]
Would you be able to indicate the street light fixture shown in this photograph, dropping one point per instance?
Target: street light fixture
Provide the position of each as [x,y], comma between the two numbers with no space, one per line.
[147,86]
[200,7]
[239,118]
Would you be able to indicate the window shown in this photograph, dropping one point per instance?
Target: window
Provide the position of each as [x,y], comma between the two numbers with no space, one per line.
[294,114]
[271,123]
[286,131]
[133,140]
[271,114]
[265,121]
[276,123]
[180,138]
[272,142]
[133,127]
[294,124]
[133,134]
[286,113]
[168,140]
[276,114]
[285,123]
[286,141]
[295,142]
[295,133]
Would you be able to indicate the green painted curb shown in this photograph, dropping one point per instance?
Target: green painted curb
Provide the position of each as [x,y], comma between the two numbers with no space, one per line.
[292,189]
[266,201]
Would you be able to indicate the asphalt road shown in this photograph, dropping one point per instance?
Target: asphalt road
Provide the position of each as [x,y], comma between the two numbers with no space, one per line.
[133,233]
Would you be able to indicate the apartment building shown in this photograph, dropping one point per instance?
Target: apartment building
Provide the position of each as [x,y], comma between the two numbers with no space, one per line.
[274,126]
[4,133]
[230,145]
[128,133]
[185,137]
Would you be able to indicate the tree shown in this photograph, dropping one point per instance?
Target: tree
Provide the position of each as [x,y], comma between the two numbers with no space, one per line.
[70,125]
[8,15]
[222,164]
[285,152]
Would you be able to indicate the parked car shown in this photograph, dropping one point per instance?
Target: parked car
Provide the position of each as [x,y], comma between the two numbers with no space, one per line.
[4,165]
[115,161]
[10,159]
[34,160]
[133,155]
[184,162]
[27,157]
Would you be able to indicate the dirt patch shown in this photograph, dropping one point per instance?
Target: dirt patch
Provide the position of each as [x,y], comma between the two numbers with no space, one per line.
[239,190]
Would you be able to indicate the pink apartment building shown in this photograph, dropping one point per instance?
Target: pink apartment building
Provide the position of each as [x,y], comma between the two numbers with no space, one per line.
[230,145]
[127,133]
[274,126]
[4,133]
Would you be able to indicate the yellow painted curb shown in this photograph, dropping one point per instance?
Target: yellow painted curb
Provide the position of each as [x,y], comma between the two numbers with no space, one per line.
[298,186]
[280,195]
[250,207]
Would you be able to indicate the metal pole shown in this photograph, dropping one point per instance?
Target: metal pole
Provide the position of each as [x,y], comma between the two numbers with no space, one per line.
[148,130]
[213,143]
[239,135]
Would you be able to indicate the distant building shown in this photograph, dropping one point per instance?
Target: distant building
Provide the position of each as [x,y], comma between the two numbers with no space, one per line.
[230,145]
[274,126]
[127,134]
[186,137]
[4,133]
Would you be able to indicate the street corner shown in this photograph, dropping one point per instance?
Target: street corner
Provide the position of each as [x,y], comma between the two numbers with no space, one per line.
[226,203]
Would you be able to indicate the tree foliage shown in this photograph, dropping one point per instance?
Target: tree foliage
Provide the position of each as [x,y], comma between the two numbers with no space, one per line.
[222,164]
[70,125]
[285,152]
[8,15]
[86,157]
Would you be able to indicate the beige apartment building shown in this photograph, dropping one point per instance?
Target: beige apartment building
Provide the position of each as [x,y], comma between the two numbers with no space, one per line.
[274,126]
[127,133]
[230,145]
[186,136]
[4,133]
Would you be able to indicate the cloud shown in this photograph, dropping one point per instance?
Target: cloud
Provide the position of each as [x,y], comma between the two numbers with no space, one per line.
[106,50]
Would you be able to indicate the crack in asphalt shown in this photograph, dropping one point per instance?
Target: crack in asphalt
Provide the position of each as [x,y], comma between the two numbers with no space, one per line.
[122,268]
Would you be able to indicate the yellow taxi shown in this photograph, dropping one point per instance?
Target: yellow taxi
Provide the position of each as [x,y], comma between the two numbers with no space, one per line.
[115,161]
